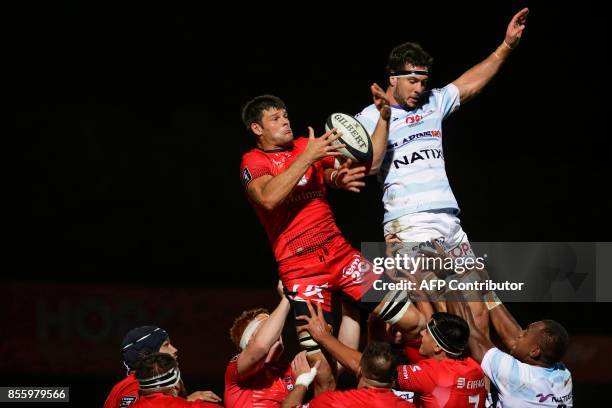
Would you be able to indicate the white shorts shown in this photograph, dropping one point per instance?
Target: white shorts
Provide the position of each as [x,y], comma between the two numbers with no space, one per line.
[422,227]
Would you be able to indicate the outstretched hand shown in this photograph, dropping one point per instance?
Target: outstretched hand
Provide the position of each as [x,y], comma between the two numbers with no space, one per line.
[300,365]
[515,28]
[316,324]
[207,396]
[349,178]
[320,147]
[381,101]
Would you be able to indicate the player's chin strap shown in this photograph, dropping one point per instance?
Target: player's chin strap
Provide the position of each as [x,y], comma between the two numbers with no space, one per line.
[409,73]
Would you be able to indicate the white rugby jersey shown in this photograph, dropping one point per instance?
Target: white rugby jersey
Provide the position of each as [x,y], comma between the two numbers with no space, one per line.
[524,385]
[413,174]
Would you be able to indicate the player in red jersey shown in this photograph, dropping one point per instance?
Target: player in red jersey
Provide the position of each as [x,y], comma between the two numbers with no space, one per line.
[447,378]
[159,380]
[375,374]
[285,180]
[444,379]
[137,343]
[257,377]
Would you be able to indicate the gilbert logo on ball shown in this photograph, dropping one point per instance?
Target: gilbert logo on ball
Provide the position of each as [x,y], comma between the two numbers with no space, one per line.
[354,136]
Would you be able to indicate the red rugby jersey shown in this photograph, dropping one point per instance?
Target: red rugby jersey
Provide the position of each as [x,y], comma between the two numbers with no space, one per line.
[124,393]
[363,397]
[266,388]
[444,383]
[304,221]
[159,400]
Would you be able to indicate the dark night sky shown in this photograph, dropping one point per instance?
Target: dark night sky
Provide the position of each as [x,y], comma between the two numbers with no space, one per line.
[126,136]
[124,133]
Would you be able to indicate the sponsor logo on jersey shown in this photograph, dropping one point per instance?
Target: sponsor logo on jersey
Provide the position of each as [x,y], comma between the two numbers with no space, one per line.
[423,154]
[413,119]
[314,293]
[306,195]
[246,176]
[128,399]
[416,120]
[559,400]
[356,270]
[543,398]
[406,140]
[288,381]
[406,395]
[476,384]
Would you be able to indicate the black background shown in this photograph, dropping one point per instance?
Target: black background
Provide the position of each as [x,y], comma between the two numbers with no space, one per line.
[124,133]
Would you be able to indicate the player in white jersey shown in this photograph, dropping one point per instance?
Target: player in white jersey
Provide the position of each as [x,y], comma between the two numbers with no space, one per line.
[418,200]
[419,203]
[532,374]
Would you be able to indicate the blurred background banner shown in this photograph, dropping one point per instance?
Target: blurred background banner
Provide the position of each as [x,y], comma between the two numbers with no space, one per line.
[77,329]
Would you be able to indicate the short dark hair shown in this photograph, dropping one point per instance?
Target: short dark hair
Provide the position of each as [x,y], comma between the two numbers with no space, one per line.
[408,53]
[553,341]
[252,112]
[378,363]
[154,364]
[453,329]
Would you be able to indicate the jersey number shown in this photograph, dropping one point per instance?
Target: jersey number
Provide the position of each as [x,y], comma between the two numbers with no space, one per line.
[474,399]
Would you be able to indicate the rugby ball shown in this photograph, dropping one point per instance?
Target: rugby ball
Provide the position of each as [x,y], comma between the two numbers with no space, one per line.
[354,136]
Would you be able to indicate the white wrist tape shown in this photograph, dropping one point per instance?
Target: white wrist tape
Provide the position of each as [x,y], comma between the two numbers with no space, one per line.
[307,378]
[491,300]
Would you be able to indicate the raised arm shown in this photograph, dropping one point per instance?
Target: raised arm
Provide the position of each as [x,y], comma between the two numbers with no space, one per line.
[317,327]
[269,332]
[476,78]
[304,377]
[270,191]
[505,324]
[381,132]
[479,343]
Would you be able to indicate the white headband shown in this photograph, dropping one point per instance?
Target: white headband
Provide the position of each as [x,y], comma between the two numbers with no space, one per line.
[452,353]
[167,379]
[248,332]
[409,73]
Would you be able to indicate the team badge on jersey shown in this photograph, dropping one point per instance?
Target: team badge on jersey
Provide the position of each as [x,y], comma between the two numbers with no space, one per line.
[127,400]
[246,176]
[288,381]
[405,395]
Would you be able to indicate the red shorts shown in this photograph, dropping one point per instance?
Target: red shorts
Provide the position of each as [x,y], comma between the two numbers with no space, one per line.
[335,267]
